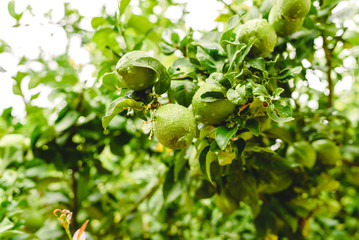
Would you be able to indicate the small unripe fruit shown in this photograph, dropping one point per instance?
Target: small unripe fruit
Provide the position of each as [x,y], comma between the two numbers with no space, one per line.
[211,112]
[293,10]
[261,34]
[134,77]
[174,126]
[282,26]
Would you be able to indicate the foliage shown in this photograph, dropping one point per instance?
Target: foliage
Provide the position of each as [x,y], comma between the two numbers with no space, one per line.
[91,152]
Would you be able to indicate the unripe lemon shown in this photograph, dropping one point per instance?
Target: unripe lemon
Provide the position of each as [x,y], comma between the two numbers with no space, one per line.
[282,26]
[135,77]
[327,152]
[303,153]
[293,10]
[211,112]
[174,126]
[261,34]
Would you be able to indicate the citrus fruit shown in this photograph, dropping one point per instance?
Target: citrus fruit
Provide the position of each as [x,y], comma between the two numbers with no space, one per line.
[134,77]
[303,153]
[211,112]
[327,152]
[282,26]
[174,126]
[293,10]
[261,34]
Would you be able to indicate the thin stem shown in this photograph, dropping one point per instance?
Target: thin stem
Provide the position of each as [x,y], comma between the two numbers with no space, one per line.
[328,57]
[68,233]
[137,204]
[229,7]
[75,200]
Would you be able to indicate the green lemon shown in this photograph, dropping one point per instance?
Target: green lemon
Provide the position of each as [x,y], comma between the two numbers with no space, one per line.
[303,153]
[174,126]
[225,204]
[211,112]
[327,152]
[293,10]
[261,34]
[282,26]
[135,77]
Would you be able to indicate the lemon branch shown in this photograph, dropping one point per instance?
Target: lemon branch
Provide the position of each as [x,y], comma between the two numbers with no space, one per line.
[328,57]
[148,195]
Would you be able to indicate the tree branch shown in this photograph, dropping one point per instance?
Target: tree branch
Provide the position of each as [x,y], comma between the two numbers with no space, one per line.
[145,197]
[328,57]
[228,6]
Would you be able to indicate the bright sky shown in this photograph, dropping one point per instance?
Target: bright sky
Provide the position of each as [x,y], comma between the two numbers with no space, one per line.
[42,34]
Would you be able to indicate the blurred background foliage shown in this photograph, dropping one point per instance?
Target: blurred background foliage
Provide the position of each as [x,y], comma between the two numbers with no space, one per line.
[128,186]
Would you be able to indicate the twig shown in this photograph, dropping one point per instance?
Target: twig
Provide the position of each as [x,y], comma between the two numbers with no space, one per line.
[328,57]
[75,200]
[137,204]
[229,7]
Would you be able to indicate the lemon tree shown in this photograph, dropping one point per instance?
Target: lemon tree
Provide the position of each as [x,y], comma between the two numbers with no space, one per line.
[180,133]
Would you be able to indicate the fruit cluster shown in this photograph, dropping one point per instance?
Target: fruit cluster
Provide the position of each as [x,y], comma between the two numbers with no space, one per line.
[221,102]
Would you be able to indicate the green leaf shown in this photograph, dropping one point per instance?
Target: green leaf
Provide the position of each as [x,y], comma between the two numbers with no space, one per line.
[218,79]
[17,86]
[174,188]
[180,161]
[205,163]
[106,38]
[238,95]
[11,233]
[117,106]
[206,60]
[253,126]
[163,79]
[11,9]
[183,91]
[167,49]
[261,92]
[123,5]
[351,37]
[97,21]
[239,146]
[278,92]
[67,121]
[223,135]
[286,215]
[5,225]
[211,96]
[237,52]
[279,113]
[229,36]
[257,63]
[111,81]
